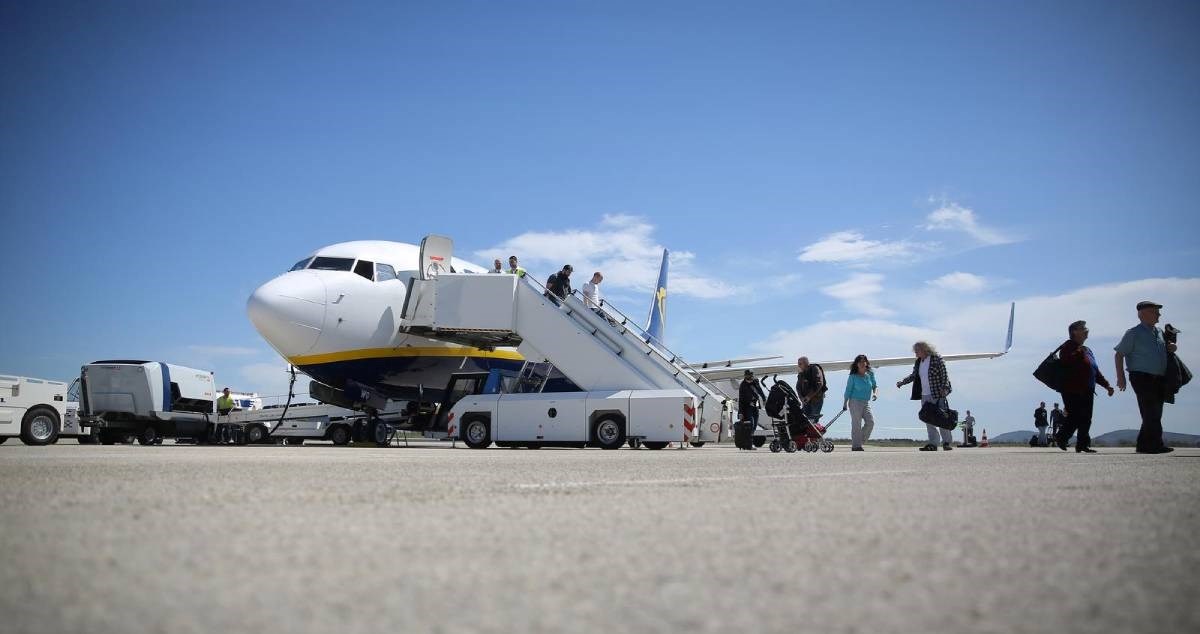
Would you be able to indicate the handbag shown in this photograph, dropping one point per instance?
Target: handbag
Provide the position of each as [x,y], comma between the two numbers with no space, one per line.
[932,414]
[1051,371]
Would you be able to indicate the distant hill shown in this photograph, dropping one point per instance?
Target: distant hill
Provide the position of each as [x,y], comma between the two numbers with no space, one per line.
[1119,438]
[1128,438]
[1013,438]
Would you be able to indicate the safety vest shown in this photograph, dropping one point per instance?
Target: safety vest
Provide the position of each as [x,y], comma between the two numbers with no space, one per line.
[519,272]
[225,402]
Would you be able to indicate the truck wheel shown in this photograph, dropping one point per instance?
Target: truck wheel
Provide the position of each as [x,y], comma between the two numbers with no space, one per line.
[340,435]
[148,436]
[476,434]
[649,444]
[609,433]
[40,426]
[255,434]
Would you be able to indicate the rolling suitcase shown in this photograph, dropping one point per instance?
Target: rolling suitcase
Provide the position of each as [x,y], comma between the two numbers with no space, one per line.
[743,434]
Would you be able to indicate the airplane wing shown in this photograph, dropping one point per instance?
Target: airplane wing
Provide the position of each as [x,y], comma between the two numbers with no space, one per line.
[727,373]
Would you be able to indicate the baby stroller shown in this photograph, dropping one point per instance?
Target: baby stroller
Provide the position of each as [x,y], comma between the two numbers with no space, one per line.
[792,428]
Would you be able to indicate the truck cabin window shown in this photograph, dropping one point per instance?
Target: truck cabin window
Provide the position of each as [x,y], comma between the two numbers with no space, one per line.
[365,269]
[331,264]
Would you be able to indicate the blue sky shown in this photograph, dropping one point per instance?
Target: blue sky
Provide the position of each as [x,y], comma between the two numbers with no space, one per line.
[834,179]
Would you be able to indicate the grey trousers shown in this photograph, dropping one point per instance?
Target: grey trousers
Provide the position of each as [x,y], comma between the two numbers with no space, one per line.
[862,422]
[937,435]
[1042,436]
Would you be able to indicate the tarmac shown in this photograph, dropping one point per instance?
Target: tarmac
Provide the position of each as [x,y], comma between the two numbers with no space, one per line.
[318,538]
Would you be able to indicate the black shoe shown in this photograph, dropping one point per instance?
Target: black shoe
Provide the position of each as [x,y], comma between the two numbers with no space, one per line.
[1159,450]
[1061,442]
[928,448]
[946,446]
[1085,450]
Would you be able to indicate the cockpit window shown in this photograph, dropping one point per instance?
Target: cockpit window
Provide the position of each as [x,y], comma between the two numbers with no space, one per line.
[300,265]
[332,264]
[384,272]
[365,268]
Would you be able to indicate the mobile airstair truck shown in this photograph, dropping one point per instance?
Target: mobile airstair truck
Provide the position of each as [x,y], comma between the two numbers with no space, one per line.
[629,387]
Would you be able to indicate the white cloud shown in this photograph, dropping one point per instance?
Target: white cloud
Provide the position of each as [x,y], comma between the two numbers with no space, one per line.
[1002,393]
[954,217]
[852,247]
[860,293]
[960,282]
[223,351]
[622,247]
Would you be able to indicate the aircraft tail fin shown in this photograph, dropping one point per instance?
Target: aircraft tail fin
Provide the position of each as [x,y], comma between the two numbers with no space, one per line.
[656,326]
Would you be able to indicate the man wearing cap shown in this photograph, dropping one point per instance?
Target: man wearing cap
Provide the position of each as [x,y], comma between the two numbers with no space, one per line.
[558,286]
[1144,350]
[749,395]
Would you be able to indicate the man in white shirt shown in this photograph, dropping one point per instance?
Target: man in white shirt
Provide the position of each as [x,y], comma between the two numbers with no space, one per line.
[497,267]
[591,291]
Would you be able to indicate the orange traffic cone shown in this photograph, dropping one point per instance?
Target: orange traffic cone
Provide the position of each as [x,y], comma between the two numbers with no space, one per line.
[984,442]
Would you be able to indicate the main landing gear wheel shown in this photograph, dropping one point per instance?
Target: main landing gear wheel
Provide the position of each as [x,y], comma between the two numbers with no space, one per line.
[379,433]
[811,446]
[775,448]
[476,434]
[826,445]
[609,433]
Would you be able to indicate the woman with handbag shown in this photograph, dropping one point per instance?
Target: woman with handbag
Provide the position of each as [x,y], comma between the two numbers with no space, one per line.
[931,384]
[1079,378]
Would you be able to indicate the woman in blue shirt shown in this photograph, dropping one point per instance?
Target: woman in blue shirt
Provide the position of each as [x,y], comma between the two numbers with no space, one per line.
[861,389]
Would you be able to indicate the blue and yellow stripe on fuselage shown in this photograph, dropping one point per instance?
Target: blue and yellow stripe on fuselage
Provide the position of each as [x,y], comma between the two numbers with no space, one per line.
[403,373]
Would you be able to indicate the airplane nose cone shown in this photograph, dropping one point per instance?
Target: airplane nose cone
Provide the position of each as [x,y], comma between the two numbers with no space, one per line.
[289,311]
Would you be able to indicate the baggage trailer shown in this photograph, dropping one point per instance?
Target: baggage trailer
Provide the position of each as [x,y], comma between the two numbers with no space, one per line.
[305,422]
[39,411]
[148,399]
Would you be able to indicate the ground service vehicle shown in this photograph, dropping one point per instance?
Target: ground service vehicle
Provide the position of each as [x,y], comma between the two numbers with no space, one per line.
[148,399]
[38,411]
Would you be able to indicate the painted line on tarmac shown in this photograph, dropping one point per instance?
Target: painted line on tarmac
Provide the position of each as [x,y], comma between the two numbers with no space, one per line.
[661,481]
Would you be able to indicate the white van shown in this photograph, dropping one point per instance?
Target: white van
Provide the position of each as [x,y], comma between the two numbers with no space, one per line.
[39,411]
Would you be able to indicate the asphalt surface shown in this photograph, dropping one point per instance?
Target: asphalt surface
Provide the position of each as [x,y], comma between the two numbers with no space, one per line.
[323,539]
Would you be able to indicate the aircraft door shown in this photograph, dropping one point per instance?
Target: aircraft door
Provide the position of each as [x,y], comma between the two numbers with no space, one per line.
[436,252]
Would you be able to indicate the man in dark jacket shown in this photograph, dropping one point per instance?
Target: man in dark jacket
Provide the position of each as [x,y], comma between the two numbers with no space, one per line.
[750,394]
[811,387]
[558,286]
[1056,420]
[1081,375]
[1039,421]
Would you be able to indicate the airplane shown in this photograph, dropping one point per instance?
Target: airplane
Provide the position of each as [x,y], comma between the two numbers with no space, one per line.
[335,316]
